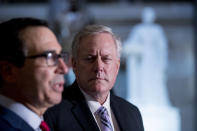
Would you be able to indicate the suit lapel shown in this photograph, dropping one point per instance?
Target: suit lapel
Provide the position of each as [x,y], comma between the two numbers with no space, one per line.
[81,110]
[14,120]
[84,116]
[117,112]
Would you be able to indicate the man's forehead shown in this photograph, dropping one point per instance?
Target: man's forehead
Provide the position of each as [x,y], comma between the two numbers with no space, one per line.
[39,39]
[30,32]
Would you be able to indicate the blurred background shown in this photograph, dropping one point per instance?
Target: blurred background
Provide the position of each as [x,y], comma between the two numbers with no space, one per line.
[176,19]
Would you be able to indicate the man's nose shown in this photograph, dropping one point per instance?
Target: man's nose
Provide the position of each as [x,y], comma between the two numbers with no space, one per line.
[62,67]
[99,65]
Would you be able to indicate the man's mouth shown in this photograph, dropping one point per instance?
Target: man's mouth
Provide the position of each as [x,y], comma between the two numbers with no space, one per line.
[97,79]
[58,83]
[58,87]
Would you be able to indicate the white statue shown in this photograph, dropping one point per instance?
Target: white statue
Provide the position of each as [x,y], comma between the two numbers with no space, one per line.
[146,64]
[150,44]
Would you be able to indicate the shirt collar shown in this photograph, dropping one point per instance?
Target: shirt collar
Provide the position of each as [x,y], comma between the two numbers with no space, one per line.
[94,105]
[25,113]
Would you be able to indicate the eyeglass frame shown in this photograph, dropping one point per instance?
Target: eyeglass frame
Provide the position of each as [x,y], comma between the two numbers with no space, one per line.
[64,55]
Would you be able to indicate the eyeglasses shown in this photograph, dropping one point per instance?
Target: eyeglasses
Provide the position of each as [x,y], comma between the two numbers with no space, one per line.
[52,57]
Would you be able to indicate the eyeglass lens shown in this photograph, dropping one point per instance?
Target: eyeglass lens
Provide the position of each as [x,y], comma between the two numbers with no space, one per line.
[52,58]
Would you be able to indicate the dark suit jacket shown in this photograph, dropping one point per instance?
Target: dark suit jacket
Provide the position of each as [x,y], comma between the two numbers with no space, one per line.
[9,121]
[73,113]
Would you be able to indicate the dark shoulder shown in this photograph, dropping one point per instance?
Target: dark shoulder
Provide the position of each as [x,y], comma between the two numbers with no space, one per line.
[59,108]
[72,92]
[5,126]
[122,103]
[7,118]
[70,96]
[58,113]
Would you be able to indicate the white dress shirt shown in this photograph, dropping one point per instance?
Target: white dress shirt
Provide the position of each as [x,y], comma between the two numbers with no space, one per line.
[26,114]
[94,106]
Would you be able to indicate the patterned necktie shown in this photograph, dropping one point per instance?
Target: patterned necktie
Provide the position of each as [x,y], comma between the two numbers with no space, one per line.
[44,126]
[104,117]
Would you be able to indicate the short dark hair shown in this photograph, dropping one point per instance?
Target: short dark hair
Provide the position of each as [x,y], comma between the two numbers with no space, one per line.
[12,48]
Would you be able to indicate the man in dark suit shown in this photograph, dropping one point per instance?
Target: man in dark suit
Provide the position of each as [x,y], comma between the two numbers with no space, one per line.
[88,104]
[31,74]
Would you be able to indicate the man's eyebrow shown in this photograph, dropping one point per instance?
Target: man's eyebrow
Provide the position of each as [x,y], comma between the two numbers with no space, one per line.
[49,51]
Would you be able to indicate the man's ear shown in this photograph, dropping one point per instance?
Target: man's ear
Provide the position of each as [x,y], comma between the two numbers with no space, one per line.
[8,71]
[118,65]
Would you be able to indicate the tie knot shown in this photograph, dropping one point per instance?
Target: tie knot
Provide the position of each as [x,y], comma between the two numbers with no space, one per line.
[102,111]
[44,126]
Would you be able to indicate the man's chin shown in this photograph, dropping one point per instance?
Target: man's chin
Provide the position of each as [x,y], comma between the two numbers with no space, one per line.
[97,82]
[99,88]
[56,100]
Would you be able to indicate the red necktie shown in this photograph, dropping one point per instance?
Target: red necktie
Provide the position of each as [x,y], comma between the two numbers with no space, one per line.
[44,126]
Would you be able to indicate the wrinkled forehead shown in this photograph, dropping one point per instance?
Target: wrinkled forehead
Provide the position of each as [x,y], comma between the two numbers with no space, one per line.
[103,42]
[97,39]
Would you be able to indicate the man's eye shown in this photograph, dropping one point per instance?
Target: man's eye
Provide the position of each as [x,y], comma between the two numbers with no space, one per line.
[106,59]
[89,58]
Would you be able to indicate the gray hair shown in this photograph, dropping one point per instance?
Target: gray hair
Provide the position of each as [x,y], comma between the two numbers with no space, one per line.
[92,30]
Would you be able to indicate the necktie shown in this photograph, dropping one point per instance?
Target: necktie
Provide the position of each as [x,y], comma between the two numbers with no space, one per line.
[104,117]
[44,126]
